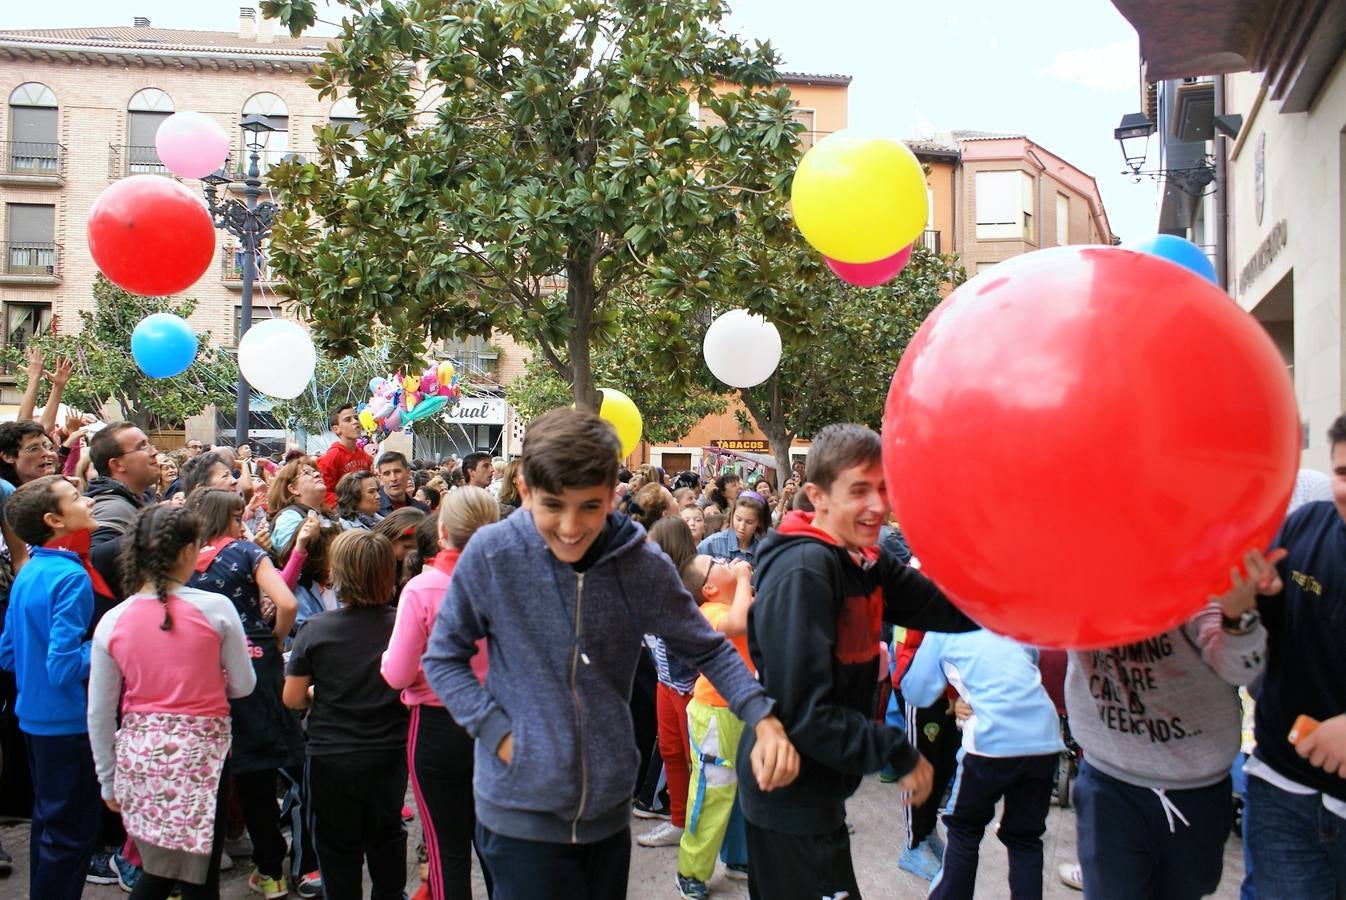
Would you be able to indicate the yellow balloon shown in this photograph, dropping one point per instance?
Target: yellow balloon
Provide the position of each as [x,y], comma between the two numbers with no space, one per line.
[621,411]
[410,383]
[367,420]
[444,374]
[859,199]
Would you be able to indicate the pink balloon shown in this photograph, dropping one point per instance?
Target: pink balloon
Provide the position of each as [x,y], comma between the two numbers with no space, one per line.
[191,144]
[430,383]
[870,274]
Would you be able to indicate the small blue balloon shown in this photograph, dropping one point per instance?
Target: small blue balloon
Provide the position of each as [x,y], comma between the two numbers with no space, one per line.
[1177,250]
[375,383]
[163,345]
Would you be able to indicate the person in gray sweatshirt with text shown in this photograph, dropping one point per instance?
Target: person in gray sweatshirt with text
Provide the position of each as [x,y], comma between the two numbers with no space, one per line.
[563,592]
[1159,721]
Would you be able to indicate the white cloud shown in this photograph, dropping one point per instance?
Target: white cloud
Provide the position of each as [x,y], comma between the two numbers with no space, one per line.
[1115,67]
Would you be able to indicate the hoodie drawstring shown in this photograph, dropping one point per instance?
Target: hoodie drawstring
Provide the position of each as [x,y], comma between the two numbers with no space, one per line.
[1170,810]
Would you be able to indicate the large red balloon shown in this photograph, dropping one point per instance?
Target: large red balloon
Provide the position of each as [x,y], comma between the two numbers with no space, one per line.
[150,235]
[1080,443]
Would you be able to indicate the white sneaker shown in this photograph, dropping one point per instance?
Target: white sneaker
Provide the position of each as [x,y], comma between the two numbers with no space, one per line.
[665,834]
[1071,875]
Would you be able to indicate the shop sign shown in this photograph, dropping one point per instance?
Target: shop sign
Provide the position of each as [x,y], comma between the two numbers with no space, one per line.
[742,445]
[477,411]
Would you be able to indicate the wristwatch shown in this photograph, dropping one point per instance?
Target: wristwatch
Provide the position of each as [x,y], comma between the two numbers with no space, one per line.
[1243,624]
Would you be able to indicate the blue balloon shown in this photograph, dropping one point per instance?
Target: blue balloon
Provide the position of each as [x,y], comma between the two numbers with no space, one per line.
[375,383]
[163,345]
[1177,250]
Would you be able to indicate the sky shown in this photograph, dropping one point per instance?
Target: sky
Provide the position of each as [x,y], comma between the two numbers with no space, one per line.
[1063,72]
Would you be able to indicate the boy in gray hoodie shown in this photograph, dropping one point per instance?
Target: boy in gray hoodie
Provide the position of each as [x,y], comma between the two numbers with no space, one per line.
[563,592]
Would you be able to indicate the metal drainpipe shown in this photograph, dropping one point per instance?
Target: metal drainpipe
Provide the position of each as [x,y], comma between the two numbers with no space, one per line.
[1221,198]
[1042,170]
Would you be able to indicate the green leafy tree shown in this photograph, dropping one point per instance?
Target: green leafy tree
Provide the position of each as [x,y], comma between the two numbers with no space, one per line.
[522,165]
[837,361]
[104,371]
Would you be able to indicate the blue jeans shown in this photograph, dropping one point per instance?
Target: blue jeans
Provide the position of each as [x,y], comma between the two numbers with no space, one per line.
[1298,847]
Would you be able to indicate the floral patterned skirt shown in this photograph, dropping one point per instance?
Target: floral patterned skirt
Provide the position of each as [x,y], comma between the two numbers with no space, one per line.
[168,781]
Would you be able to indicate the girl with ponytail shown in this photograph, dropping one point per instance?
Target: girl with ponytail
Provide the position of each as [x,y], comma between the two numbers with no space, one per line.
[439,750]
[168,660]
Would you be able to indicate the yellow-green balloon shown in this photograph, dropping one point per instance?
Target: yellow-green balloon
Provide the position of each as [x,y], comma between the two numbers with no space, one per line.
[858,199]
[621,411]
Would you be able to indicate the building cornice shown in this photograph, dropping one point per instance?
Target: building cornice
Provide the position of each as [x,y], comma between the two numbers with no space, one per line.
[89,53]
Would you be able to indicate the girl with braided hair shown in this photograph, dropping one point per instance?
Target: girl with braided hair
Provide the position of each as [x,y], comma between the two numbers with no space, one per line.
[168,660]
[266,735]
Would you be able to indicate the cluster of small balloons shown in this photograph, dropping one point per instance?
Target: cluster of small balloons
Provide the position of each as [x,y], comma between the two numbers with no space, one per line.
[397,401]
[861,202]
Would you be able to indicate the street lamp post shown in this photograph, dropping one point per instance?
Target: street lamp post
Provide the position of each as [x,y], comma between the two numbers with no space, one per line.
[250,223]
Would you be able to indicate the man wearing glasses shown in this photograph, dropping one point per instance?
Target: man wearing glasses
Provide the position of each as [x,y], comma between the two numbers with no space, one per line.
[194,448]
[126,465]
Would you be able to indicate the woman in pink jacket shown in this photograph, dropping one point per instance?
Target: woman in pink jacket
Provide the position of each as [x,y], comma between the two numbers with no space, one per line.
[439,751]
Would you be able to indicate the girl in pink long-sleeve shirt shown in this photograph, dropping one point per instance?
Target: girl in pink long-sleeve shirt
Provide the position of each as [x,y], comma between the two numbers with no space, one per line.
[168,660]
[439,751]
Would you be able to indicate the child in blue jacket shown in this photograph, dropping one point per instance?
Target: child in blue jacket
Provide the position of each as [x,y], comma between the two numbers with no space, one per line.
[1011,745]
[44,645]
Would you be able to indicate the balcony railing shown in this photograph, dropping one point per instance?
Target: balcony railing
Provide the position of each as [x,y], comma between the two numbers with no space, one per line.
[930,241]
[266,159]
[231,266]
[32,158]
[29,258]
[130,159]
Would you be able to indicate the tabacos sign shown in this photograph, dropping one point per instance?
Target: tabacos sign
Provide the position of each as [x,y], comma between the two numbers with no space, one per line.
[477,411]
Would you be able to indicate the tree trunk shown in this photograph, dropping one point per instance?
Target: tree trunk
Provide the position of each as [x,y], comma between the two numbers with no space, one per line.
[580,296]
[772,423]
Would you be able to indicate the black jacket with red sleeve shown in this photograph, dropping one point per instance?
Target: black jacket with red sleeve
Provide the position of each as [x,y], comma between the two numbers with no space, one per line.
[813,633]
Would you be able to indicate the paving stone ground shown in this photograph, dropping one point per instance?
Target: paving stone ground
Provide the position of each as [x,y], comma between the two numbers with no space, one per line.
[877,841]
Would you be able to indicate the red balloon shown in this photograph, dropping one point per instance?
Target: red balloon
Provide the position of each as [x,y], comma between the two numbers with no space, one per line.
[1080,443]
[150,235]
[871,274]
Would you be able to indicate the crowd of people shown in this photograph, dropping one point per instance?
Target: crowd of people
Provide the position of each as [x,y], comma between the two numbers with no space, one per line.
[215,656]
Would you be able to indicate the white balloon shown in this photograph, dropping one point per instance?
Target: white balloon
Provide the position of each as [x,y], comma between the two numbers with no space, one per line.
[741,349]
[277,357]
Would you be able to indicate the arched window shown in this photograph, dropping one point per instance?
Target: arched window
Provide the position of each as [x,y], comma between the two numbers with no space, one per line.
[32,129]
[277,142]
[144,114]
[345,113]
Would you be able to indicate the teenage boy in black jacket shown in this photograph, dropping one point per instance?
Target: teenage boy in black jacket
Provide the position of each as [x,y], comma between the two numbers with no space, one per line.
[1294,821]
[824,590]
